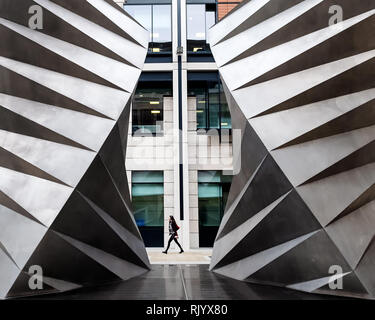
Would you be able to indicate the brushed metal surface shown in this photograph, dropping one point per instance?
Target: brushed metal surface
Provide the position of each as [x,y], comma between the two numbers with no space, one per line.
[302,92]
[64,110]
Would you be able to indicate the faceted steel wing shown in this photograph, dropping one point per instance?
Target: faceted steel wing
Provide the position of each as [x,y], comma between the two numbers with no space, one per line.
[65,91]
[300,83]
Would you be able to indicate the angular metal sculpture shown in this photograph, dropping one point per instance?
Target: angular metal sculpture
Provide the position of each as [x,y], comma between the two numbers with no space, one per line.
[301,213]
[65,207]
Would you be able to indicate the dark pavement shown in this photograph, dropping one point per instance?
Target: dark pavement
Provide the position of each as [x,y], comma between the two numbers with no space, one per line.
[183,282]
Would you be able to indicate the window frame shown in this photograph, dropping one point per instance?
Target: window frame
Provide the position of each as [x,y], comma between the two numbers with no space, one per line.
[151,5]
[206,52]
[207,103]
[223,200]
[145,230]
[153,78]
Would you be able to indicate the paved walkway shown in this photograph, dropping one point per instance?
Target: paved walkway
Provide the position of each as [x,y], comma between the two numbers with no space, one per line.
[182,282]
[199,256]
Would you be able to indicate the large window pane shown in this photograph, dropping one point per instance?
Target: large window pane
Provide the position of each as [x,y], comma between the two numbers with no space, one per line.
[147,177]
[210,20]
[200,17]
[147,112]
[209,176]
[226,120]
[148,205]
[213,190]
[142,14]
[212,107]
[201,96]
[196,26]
[157,19]
[210,205]
[148,103]
[161,32]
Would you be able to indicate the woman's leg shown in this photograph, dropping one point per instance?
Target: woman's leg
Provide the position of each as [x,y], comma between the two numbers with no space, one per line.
[175,240]
[169,242]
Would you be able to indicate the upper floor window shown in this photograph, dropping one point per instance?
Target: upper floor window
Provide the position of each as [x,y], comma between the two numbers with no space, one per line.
[157,19]
[212,107]
[200,17]
[148,103]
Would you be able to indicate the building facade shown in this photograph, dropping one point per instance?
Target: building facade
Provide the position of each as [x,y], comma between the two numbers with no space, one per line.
[179,156]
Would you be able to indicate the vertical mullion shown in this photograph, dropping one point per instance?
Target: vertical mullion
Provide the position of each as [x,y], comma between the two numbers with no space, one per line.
[208,122]
[219,99]
[152,27]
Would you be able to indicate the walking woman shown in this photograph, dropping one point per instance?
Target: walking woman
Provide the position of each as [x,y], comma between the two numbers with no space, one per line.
[173,227]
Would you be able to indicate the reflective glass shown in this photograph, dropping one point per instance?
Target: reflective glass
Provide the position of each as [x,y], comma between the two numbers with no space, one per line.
[196,28]
[210,204]
[209,176]
[212,107]
[201,96]
[148,205]
[142,14]
[157,19]
[147,112]
[196,22]
[161,32]
[226,119]
[210,20]
[213,190]
[148,105]
[147,177]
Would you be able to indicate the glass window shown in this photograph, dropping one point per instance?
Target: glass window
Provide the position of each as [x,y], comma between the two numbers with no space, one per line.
[213,190]
[212,107]
[200,17]
[157,19]
[161,31]
[141,13]
[148,103]
[196,27]
[148,206]
[210,19]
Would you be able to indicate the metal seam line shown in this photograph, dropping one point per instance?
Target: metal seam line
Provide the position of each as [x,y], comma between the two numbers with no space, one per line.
[183,282]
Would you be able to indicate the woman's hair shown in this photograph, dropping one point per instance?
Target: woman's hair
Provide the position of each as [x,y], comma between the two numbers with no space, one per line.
[172,218]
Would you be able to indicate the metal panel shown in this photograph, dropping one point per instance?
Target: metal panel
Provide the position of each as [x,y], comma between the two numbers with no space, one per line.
[64,111]
[306,89]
